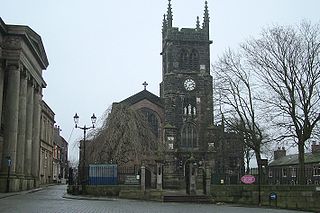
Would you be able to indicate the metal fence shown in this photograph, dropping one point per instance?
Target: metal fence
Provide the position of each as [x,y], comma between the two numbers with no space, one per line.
[109,174]
[129,175]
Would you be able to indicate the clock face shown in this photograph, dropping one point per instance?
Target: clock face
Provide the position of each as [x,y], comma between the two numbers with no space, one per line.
[189,84]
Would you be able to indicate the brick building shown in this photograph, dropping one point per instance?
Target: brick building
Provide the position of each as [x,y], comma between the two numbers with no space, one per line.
[284,168]
[60,164]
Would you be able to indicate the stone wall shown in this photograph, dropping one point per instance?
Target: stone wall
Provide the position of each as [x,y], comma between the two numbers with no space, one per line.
[121,191]
[288,197]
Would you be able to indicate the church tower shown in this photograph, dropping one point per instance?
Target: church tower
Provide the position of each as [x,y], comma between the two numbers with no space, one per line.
[186,87]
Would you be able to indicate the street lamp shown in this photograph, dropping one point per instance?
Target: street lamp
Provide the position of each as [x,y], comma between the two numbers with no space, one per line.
[262,164]
[8,176]
[84,128]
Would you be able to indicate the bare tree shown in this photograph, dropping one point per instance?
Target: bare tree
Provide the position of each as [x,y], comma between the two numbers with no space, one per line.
[286,60]
[235,89]
[248,154]
[125,138]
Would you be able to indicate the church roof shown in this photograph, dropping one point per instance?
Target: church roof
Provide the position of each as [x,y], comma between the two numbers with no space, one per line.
[294,159]
[144,94]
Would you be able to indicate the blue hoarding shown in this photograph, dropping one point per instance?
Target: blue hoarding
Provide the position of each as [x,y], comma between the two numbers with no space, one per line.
[103,174]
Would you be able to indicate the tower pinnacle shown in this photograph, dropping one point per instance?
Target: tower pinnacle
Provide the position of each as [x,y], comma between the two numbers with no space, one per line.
[206,16]
[198,23]
[164,23]
[169,14]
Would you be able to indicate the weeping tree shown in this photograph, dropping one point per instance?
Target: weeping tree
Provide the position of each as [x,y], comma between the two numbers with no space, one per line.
[125,138]
[287,63]
[237,96]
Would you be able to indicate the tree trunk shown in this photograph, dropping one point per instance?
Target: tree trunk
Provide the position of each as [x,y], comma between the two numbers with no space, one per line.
[301,169]
[258,157]
[247,163]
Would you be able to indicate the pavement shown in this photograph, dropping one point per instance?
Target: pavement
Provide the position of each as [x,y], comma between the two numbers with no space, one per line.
[9,194]
[66,195]
[54,199]
[88,197]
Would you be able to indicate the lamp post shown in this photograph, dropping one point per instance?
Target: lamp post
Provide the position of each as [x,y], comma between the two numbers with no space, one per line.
[84,128]
[8,177]
[262,164]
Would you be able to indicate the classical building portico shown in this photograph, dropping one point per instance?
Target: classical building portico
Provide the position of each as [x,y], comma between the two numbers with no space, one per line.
[22,60]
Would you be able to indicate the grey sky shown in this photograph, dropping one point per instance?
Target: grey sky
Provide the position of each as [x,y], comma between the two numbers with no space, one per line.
[101,51]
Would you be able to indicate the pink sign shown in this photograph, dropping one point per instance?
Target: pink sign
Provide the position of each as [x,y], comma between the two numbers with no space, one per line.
[248,179]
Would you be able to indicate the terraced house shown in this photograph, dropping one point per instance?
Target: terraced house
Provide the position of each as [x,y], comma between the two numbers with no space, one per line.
[283,169]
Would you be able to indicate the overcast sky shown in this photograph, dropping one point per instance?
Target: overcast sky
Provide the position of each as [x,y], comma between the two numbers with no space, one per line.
[101,51]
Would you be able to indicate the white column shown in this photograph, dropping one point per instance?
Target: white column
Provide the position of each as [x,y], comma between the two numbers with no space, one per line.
[11,117]
[1,89]
[22,124]
[35,158]
[29,121]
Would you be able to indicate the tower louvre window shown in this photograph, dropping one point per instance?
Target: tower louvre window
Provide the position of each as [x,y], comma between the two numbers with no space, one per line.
[194,60]
[183,59]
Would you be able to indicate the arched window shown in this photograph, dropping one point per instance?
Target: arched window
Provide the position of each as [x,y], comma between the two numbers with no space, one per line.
[194,60]
[189,137]
[152,120]
[183,59]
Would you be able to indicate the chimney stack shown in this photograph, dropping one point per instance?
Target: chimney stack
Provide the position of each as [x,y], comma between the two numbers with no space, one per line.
[279,153]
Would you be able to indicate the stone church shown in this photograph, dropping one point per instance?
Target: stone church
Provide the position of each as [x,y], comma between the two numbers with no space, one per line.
[182,116]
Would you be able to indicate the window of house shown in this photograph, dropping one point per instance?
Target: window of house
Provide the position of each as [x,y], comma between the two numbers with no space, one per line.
[270,173]
[293,172]
[284,172]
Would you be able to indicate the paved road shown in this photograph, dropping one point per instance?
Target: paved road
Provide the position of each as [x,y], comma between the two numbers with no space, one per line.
[51,199]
